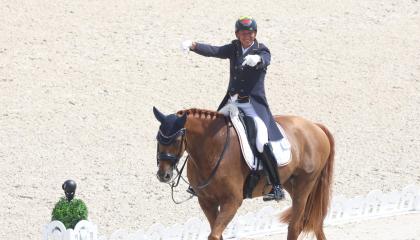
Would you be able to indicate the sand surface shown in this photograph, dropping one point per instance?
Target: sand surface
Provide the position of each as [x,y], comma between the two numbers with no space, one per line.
[78,80]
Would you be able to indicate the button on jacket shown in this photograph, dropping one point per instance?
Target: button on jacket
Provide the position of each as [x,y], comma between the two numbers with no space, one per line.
[245,81]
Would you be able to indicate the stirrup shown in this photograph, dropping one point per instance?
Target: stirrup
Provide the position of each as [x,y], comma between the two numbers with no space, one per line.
[191,191]
[275,194]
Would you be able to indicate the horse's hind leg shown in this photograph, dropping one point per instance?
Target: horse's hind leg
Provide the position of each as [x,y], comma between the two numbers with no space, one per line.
[320,233]
[226,214]
[300,191]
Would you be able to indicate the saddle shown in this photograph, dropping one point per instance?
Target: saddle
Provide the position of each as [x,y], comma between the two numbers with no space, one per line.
[251,134]
[250,130]
[246,130]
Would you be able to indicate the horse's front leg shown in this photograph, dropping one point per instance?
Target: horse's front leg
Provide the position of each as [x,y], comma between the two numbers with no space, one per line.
[226,214]
[210,209]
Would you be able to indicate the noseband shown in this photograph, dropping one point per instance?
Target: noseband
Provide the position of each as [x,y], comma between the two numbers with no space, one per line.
[168,140]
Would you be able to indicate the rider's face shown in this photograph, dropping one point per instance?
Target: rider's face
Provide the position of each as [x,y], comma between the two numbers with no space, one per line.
[246,37]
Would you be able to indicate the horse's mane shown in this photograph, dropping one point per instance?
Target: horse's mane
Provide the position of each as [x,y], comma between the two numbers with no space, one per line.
[201,113]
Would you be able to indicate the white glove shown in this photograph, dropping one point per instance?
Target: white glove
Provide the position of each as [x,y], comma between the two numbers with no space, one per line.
[186,46]
[251,60]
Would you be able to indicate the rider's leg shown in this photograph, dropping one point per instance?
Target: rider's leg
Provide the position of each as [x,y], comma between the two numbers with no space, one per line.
[268,160]
[266,153]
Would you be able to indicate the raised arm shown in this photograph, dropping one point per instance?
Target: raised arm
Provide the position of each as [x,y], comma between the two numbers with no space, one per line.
[207,50]
[213,51]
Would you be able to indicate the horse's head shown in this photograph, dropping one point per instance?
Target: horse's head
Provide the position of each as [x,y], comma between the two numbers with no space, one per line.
[171,143]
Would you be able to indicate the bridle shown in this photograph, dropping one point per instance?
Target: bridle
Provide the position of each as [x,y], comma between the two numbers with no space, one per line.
[174,159]
[168,140]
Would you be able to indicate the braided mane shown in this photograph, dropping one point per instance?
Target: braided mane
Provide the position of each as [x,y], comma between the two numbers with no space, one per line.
[201,113]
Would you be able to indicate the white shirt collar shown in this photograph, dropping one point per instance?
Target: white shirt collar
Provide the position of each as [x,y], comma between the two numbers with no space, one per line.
[246,49]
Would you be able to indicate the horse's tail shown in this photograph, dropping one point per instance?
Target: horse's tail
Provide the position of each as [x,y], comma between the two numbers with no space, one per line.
[318,202]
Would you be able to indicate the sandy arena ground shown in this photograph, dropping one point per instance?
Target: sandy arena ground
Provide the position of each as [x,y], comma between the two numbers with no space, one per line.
[78,80]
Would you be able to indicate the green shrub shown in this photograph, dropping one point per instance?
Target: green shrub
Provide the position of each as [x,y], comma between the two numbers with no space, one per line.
[69,213]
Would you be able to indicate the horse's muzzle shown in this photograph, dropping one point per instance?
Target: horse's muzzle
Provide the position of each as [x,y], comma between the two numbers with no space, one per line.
[164,176]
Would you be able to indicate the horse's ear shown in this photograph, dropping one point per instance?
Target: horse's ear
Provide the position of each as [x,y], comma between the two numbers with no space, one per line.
[158,115]
[181,120]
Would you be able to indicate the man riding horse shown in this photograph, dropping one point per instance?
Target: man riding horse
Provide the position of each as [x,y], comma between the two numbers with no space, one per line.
[249,60]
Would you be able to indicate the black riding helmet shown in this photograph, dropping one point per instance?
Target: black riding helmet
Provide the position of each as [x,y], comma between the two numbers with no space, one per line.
[245,23]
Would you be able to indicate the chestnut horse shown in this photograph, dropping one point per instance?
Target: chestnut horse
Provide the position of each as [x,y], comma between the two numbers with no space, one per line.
[217,172]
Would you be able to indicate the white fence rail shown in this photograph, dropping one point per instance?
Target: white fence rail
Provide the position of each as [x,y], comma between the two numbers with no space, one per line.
[264,222]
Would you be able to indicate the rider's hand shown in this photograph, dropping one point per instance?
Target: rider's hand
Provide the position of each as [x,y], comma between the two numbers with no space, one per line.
[186,46]
[251,60]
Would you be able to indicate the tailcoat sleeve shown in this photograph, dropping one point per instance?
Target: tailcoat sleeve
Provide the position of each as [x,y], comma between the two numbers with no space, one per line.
[207,50]
[265,55]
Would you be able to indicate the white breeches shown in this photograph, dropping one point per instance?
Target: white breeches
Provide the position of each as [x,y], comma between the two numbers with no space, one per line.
[262,132]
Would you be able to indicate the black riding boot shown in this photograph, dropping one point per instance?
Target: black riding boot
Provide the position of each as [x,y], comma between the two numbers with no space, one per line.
[270,166]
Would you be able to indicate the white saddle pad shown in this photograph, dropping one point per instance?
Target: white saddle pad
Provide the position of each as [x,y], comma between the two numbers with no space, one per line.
[281,148]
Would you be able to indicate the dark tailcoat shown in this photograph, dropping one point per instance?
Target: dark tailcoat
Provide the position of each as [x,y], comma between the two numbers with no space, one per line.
[246,81]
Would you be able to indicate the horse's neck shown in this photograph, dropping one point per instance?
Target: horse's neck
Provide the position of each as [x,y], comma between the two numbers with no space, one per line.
[200,129]
[203,135]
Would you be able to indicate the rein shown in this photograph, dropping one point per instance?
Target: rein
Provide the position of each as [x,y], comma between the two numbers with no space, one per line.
[174,183]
